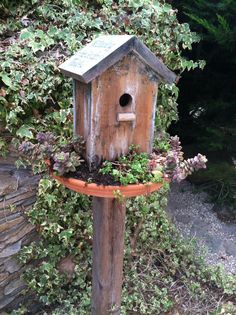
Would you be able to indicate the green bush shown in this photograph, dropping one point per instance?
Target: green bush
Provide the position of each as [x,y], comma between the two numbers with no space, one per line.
[42,38]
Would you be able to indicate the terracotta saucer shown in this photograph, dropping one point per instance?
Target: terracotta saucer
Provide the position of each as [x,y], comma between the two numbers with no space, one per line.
[109,191]
[93,189]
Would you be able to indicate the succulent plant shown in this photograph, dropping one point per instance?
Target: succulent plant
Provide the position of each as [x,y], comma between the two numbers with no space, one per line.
[64,158]
[132,168]
[64,162]
[182,168]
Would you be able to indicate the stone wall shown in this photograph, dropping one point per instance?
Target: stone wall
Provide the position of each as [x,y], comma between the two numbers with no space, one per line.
[17,195]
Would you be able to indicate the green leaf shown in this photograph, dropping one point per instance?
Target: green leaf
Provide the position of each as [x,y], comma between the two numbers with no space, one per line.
[44,185]
[24,132]
[50,199]
[53,30]
[66,234]
[6,79]
[36,47]
[26,35]
[46,267]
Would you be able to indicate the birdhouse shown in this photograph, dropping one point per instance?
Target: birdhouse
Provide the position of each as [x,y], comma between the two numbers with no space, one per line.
[116,81]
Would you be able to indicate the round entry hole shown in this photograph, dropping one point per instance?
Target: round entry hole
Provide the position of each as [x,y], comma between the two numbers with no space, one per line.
[125,100]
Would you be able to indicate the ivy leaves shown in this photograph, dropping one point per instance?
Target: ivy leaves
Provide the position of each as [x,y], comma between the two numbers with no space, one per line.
[63,219]
[25,132]
[38,40]
[30,58]
[6,79]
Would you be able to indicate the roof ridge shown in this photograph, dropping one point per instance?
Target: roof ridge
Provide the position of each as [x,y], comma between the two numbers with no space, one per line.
[106,50]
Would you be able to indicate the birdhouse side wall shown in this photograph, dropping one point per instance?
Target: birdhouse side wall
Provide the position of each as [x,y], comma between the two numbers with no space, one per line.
[98,106]
[82,109]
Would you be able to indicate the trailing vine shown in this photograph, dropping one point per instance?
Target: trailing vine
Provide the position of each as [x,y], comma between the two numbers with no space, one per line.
[158,264]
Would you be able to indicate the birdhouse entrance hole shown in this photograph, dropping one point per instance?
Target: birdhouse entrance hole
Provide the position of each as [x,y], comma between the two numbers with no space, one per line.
[125,100]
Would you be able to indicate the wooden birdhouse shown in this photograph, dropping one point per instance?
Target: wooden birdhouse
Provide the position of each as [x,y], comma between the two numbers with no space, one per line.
[115,92]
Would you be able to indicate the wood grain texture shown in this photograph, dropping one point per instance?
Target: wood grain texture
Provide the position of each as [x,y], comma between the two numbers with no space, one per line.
[97,106]
[108,253]
[82,109]
[126,117]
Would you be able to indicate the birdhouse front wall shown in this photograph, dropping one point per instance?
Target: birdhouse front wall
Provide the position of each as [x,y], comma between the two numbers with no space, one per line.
[116,109]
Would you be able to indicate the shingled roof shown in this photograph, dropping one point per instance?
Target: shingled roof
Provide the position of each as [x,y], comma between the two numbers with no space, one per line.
[105,51]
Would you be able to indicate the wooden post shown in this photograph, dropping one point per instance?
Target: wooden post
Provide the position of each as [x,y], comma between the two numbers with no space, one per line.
[108,253]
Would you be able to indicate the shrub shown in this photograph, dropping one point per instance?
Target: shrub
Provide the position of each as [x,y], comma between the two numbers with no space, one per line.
[41,38]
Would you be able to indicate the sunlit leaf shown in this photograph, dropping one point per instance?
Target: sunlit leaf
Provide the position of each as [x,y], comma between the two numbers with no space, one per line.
[25,132]
[6,79]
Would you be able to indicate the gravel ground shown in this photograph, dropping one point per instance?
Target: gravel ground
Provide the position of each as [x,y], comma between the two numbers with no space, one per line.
[194,218]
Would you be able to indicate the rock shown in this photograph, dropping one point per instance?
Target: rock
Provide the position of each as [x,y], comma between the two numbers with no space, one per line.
[17,194]
[4,301]
[10,250]
[17,198]
[7,184]
[219,237]
[12,266]
[3,276]
[34,306]
[29,238]
[230,228]
[9,279]
[10,217]
[230,247]
[5,237]
[172,205]
[2,268]
[226,213]
[14,287]
[17,235]
[201,224]
[6,224]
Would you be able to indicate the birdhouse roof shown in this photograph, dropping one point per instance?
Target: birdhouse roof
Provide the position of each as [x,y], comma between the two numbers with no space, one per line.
[106,50]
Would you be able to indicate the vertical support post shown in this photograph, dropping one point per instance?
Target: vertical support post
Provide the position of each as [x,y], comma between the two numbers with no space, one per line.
[108,254]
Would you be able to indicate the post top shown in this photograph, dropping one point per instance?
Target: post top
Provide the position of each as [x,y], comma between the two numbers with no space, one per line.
[106,50]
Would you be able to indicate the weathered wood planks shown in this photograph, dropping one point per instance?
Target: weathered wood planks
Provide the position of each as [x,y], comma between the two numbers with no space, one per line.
[97,106]
[108,253]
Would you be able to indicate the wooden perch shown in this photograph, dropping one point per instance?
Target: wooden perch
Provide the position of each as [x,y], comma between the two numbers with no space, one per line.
[126,117]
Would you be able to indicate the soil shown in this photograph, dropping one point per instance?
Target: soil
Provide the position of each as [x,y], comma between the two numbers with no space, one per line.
[92,176]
